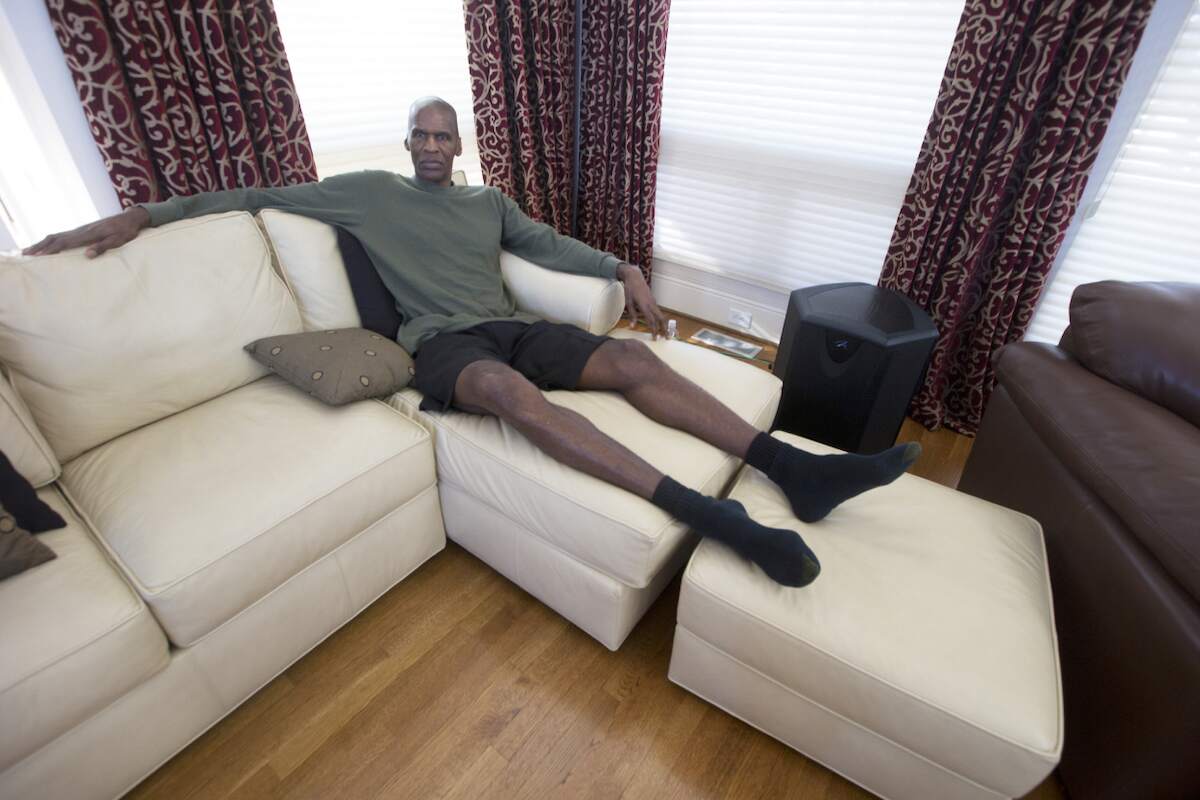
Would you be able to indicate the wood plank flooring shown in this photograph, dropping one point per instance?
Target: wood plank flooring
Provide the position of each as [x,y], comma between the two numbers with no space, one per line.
[457,684]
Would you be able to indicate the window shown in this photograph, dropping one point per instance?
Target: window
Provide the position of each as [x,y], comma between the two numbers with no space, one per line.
[1145,225]
[789,134]
[52,177]
[359,64]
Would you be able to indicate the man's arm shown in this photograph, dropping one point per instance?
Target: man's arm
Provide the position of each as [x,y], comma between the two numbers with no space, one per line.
[331,200]
[544,246]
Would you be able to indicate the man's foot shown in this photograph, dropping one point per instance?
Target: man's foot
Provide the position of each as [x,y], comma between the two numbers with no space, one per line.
[780,553]
[815,485]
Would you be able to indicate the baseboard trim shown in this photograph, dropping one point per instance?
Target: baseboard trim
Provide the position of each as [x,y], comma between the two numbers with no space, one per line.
[709,296]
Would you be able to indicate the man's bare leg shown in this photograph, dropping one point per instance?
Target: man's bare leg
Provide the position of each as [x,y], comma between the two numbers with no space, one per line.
[489,387]
[814,485]
[662,394]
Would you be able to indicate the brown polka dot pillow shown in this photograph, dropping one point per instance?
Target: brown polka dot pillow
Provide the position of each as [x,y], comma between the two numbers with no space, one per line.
[337,367]
[19,550]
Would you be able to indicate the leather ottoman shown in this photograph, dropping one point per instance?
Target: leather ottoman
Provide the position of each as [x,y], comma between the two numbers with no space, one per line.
[923,661]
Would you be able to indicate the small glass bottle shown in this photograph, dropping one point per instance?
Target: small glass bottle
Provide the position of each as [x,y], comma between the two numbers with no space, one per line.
[672,329]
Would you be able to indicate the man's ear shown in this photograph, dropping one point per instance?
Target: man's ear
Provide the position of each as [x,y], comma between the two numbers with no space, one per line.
[406,147]
[458,150]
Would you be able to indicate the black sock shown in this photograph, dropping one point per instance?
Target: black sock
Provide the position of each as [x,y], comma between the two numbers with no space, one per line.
[782,554]
[814,484]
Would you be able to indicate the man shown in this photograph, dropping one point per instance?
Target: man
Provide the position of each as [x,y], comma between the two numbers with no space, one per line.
[437,249]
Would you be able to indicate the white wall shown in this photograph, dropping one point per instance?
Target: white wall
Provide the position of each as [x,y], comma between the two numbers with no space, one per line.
[32,48]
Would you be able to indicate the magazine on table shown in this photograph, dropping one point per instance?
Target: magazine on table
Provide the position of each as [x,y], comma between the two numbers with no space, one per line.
[721,341]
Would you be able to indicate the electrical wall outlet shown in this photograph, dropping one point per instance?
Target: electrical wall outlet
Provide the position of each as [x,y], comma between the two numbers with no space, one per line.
[740,319]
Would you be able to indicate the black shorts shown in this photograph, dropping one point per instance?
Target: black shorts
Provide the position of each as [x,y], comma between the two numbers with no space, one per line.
[550,355]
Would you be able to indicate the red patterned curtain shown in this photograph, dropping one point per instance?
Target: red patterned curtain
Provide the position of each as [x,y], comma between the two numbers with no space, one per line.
[185,96]
[522,63]
[624,48]
[522,78]
[1028,92]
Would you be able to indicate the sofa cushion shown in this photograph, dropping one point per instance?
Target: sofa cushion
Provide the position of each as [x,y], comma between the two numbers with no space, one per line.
[337,366]
[75,638]
[311,263]
[374,301]
[211,509]
[98,347]
[1142,460]
[931,625]
[609,529]
[1141,336]
[313,266]
[22,441]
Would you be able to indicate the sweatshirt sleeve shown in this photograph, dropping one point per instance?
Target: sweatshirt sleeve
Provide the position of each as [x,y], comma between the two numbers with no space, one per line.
[340,200]
[544,246]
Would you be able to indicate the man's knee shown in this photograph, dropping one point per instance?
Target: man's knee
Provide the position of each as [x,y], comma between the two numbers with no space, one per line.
[494,388]
[632,361]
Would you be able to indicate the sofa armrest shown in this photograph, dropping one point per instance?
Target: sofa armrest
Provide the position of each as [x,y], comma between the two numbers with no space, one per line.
[594,304]
[1137,457]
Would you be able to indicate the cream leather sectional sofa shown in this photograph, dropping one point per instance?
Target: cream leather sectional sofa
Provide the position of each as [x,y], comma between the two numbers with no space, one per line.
[221,523]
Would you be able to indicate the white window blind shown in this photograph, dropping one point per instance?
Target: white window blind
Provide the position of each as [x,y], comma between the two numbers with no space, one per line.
[1147,224]
[790,131]
[359,64]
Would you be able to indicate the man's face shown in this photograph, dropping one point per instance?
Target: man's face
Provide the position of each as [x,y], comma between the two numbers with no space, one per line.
[434,144]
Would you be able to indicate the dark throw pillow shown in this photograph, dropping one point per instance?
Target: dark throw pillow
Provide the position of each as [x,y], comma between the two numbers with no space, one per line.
[337,367]
[376,306]
[19,550]
[21,500]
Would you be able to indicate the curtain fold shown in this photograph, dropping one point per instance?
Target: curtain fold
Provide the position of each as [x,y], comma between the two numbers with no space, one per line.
[624,49]
[522,78]
[522,57]
[185,96]
[1028,92]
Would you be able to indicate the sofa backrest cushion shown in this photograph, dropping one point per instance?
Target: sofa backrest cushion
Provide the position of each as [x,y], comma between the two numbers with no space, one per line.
[98,347]
[1143,337]
[21,440]
[1141,460]
[374,301]
[311,263]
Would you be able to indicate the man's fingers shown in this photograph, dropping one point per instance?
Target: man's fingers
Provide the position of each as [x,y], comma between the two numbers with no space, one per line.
[653,321]
[107,243]
[37,247]
[662,319]
[56,245]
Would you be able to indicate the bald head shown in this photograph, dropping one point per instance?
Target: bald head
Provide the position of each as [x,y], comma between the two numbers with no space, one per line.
[433,139]
[422,103]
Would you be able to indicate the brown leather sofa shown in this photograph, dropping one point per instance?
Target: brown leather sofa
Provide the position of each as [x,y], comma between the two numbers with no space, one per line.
[1099,439]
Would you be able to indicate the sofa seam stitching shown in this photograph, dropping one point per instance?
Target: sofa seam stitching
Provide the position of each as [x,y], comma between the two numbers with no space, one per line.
[216,695]
[331,553]
[827,709]
[557,548]
[158,589]
[80,648]
[758,621]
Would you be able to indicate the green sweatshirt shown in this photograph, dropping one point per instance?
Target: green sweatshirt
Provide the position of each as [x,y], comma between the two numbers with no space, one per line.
[436,248]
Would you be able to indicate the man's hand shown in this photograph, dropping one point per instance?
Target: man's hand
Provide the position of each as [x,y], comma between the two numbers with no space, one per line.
[99,236]
[638,300]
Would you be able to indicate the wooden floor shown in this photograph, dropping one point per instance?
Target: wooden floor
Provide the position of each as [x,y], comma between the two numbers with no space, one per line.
[457,684]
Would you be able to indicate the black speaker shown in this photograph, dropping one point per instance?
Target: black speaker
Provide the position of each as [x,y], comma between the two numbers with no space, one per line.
[850,359]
